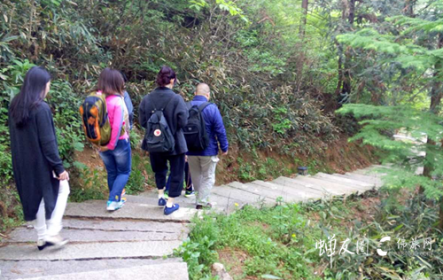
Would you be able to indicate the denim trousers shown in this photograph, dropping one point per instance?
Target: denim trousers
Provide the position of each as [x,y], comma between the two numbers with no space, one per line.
[118,166]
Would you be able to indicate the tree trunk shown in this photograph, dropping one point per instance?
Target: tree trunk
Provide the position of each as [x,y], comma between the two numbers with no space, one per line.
[409,8]
[301,57]
[304,6]
[340,69]
[31,20]
[436,96]
[440,224]
[346,75]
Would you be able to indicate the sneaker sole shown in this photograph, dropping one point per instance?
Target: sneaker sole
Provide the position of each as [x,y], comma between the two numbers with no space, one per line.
[57,245]
[171,212]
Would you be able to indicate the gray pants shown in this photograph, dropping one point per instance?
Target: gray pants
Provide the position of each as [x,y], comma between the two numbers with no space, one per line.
[203,176]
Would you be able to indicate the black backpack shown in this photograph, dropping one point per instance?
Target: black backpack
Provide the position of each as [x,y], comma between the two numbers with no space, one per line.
[195,133]
[159,137]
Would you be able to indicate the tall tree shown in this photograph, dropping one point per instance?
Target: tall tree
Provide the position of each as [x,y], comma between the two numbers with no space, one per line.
[344,62]
[302,33]
[418,52]
[304,6]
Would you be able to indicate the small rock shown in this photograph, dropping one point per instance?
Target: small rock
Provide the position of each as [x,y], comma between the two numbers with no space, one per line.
[219,270]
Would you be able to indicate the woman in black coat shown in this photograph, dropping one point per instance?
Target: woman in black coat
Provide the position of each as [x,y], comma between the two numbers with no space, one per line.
[41,180]
[176,114]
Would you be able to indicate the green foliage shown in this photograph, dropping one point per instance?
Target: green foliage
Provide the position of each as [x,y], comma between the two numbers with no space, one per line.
[88,184]
[248,66]
[198,250]
[245,170]
[223,5]
[67,120]
[406,155]
[281,242]
[408,221]
[275,252]
[137,181]
[12,77]
[283,124]
[11,212]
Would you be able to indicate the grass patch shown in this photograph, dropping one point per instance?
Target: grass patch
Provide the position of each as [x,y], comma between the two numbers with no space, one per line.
[269,241]
[280,242]
[11,211]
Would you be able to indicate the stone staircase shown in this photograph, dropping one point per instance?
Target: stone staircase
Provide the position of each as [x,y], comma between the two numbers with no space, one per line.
[133,242]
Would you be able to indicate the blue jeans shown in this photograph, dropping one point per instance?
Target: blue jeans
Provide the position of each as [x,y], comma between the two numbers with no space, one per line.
[118,166]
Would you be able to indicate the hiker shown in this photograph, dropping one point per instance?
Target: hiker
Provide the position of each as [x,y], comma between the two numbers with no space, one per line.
[163,114]
[41,180]
[189,189]
[130,108]
[128,103]
[116,155]
[202,163]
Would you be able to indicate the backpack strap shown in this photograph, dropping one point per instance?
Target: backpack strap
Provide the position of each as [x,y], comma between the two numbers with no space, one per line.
[188,105]
[167,103]
[164,107]
[203,106]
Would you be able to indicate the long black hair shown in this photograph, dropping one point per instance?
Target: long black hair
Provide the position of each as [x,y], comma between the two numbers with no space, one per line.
[31,94]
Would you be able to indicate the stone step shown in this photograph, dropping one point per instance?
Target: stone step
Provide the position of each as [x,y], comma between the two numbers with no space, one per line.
[298,186]
[306,186]
[88,251]
[270,193]
[151,201]
[23,235]
[124,225]
[290,194]
[97,209]
[330,185]
[241,195]
[350,182]
[225,204]
[166,271]
[371,171]
[219,203]
[364,178]
[28,269]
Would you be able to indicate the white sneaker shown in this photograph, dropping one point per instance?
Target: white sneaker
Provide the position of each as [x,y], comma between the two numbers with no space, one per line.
[114,205]
[56,241]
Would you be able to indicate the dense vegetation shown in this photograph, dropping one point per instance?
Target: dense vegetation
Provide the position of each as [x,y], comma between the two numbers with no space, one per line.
[283,242]
[250,53]
[278,70]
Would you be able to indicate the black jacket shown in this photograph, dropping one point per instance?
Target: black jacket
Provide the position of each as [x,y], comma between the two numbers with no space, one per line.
[34,159]
[175,112]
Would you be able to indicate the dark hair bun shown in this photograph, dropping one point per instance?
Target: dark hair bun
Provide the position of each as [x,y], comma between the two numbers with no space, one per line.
[164,76]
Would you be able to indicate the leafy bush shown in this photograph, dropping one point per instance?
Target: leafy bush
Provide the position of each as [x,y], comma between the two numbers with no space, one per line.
[88,184]
[273,253]
[137,180]
[12,77]
[65,104]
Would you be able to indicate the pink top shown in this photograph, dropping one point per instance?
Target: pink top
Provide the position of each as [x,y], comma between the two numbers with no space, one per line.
[116,114]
